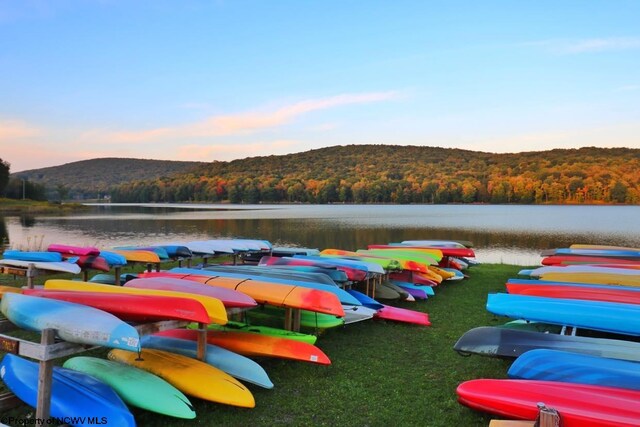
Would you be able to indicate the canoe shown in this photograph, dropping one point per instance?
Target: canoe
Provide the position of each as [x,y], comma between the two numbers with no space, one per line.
[59,267]
[582,268]
[413,277]
[437,243]
[411,289]
[266,272]
[340,295]
[190,376]
[215,309]
[135,387]
[260,329]
[338,276]
[281,251]
[73,250]
[610,253]
[138,255]
[606,247]
[350,263]
[353,274]
[275,294]
[444,251]
[74,395]
[595,315]
[176,251]
[132,308]
[592,293]
[579,405]
[96,327]
[506,342]
[32,256]
[554,365]
[256,345]
[229,297]
[236,365]
[595,278]
[274,316]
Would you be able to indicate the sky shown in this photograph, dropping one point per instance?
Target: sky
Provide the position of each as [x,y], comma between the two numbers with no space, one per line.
[229,79]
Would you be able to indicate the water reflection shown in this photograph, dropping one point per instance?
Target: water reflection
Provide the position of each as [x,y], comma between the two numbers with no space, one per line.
[509,234]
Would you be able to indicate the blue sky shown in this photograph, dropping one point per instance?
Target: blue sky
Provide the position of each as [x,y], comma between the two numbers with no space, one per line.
[221,80]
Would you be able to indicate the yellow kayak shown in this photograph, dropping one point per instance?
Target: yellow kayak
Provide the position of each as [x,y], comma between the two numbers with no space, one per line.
[440,272]
[191,376]
[215,308]
[135,255]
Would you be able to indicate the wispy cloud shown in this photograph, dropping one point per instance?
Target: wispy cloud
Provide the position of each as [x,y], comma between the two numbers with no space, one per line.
[569,47]
[250,122]
[16,129]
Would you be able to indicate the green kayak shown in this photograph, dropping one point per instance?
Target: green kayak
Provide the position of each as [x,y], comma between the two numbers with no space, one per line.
[259,329]
[136,387]
[274,316]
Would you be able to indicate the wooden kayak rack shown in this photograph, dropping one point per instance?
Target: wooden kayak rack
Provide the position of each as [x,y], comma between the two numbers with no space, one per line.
[48,349]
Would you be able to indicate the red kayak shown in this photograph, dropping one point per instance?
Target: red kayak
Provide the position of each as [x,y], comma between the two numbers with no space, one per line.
[402,315]
[134,308]
[73,250]
[259,345]
[578,259]
[229,297]
[93,262]
[579,405]
[591,293]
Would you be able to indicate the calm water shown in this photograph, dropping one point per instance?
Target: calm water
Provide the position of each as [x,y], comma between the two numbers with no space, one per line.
[509,234]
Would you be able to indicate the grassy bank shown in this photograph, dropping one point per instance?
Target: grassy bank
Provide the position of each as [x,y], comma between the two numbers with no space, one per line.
[17,207]
[382,373]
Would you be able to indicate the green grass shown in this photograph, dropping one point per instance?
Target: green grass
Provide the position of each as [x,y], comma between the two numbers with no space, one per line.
[382,373]
[18,206]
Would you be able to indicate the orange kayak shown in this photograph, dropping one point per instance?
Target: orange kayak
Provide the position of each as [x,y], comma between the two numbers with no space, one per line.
[253,345]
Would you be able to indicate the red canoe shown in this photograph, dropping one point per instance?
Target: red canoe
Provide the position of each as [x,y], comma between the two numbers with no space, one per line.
[579,405]
[256,345]
[134,308]
[591,293]
[229,297]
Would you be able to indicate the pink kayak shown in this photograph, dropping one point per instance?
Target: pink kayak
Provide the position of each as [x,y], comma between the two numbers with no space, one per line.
[229,297]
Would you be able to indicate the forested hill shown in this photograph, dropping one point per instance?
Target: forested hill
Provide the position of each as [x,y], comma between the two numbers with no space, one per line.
[404,174]
[96,177]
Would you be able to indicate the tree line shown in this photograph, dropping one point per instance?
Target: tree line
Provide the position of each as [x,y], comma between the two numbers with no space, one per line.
[404,174]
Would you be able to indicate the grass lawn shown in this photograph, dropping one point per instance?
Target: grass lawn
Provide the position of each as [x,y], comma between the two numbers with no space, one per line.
[382,373]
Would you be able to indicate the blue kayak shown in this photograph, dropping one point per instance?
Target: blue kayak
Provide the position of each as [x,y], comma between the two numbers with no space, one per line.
[76,398]
[564,366]
[596,315]
[114,259]
[426,289]
[366,300]
[234,364]
[32,256]
[342,295]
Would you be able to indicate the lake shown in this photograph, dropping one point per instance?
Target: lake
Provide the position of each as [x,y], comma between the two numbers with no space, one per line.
[512,234]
